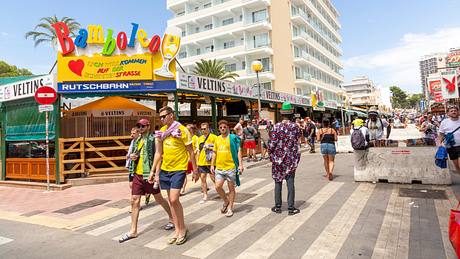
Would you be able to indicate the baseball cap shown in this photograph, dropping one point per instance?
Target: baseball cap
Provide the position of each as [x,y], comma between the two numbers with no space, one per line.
[143,122]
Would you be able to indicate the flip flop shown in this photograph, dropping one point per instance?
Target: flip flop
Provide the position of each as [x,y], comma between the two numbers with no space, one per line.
[224,208]
[172,240]
[169,226]
[182,240]
[125,237]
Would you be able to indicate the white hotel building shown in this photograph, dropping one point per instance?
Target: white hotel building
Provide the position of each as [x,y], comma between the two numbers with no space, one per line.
[296,40]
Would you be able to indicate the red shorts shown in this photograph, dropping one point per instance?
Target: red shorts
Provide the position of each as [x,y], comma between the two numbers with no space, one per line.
[189,168]
[142,187]
[249,144]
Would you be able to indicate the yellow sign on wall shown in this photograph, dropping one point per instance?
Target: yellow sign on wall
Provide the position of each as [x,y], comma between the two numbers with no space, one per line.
[111,68]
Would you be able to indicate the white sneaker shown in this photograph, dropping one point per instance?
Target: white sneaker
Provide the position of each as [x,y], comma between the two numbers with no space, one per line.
[229,213]
[203,201]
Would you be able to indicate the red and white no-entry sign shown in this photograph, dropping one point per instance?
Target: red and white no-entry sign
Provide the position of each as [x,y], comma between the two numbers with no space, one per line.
[45,95]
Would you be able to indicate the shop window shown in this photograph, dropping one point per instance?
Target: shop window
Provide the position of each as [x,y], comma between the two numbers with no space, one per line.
[29,149]
[266,85]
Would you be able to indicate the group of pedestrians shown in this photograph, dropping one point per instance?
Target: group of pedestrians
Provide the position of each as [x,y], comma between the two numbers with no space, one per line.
[160,161]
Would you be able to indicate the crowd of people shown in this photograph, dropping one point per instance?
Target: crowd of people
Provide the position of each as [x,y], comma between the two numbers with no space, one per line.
[161,160]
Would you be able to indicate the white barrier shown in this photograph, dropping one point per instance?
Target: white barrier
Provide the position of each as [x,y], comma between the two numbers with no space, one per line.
[400,165]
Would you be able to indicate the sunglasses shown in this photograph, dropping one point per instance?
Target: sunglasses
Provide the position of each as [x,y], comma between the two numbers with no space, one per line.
[143,126]
[162,117]
[204,128]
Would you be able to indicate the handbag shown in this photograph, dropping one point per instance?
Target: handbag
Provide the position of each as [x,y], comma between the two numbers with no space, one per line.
[454,229]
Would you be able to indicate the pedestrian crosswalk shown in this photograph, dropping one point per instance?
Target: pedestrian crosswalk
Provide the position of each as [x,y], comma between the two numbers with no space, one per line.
[5,240]
[256,232]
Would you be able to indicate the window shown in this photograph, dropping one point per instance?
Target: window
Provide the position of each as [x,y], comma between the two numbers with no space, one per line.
[230,67]
[229,44]
[198,51]
[266,64]
[243,65]
[180,13]
[266,85]
[207,5]
[298,73]
[227,21]
[197,29]
[28,149]
[209,48]
[183,55]
[208,27]
[184,33]
[260,40]
[259,16]
[298,91]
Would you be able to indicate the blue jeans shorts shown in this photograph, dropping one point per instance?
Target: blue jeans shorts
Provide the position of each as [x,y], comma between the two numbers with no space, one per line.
[328,149]
[172,180]
[222,175]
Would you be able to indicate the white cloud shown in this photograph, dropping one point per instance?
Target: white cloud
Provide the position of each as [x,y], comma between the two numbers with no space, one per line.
[4,34]
[399,65]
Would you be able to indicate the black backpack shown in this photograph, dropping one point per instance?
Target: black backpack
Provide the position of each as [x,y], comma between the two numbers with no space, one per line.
[358,140]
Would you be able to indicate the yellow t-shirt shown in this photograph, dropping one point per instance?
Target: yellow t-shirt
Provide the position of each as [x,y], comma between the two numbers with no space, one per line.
[202,156]
[224,160]
[175,155]
[194,142]
[140,164]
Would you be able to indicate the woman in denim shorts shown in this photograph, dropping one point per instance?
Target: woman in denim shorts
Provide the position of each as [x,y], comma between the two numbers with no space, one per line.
[327,136]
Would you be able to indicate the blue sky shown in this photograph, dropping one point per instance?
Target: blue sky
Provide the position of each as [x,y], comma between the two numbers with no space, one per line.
[383,39]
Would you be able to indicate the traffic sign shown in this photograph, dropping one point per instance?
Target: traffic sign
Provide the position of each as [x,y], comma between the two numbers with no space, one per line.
[45,108]
[45,95]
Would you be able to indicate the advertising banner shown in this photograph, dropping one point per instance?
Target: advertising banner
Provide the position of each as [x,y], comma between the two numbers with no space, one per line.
[449,84]
[453,58]
[25,88]
[434,87]
[107,87]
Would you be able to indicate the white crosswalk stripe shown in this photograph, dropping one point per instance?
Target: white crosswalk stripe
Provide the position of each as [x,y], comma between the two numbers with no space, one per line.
[329,242]
[272,240]
[5,240]
[197,207]
[225,235]
[393,239]
[127,220]
[209,218]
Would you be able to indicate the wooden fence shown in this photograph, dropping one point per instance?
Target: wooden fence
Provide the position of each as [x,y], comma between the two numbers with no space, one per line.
[93,155]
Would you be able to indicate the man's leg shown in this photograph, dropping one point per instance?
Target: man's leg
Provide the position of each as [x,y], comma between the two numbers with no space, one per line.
[291,190]
[231,194]
[177,211]
[278,190]
[220,190]
[204,186]
[135,205]
[456,163]
[159,199]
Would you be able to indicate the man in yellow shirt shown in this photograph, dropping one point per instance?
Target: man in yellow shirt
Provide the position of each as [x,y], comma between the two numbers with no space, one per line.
[204,152]
[224,168]
[173,150]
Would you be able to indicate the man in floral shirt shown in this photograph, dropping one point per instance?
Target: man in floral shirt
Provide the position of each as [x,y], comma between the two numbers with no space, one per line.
[284,148]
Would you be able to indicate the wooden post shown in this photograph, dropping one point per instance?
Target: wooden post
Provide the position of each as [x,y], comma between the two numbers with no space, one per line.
[176,106]
[214,112]
[57,134]
[2,141]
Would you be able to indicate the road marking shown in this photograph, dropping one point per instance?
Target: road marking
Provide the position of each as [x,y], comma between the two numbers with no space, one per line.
[272,240]
[393,239]
[227,234]
[332,238]
[4,240]
[160,243]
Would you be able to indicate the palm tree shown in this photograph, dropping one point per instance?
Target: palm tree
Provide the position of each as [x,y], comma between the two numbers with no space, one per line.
[45,33]
[214,69]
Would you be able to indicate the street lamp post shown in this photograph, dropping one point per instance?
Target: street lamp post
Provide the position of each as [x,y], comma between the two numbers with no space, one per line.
[257,66]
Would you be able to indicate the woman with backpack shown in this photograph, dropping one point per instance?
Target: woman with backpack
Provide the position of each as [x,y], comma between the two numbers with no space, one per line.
[360,143]
[327,136]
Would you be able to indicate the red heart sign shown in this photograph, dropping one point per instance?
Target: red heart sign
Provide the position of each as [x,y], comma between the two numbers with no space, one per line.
[76,66]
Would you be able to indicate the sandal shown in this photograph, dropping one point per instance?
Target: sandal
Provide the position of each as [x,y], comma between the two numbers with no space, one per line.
[276,209]
[330,177]
[182,240]
[224,208]
[125,237]
[172,240]
[169,226]
[229,213]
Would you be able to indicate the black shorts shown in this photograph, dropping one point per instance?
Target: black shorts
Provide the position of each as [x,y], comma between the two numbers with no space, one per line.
[204,169]
[454,152]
